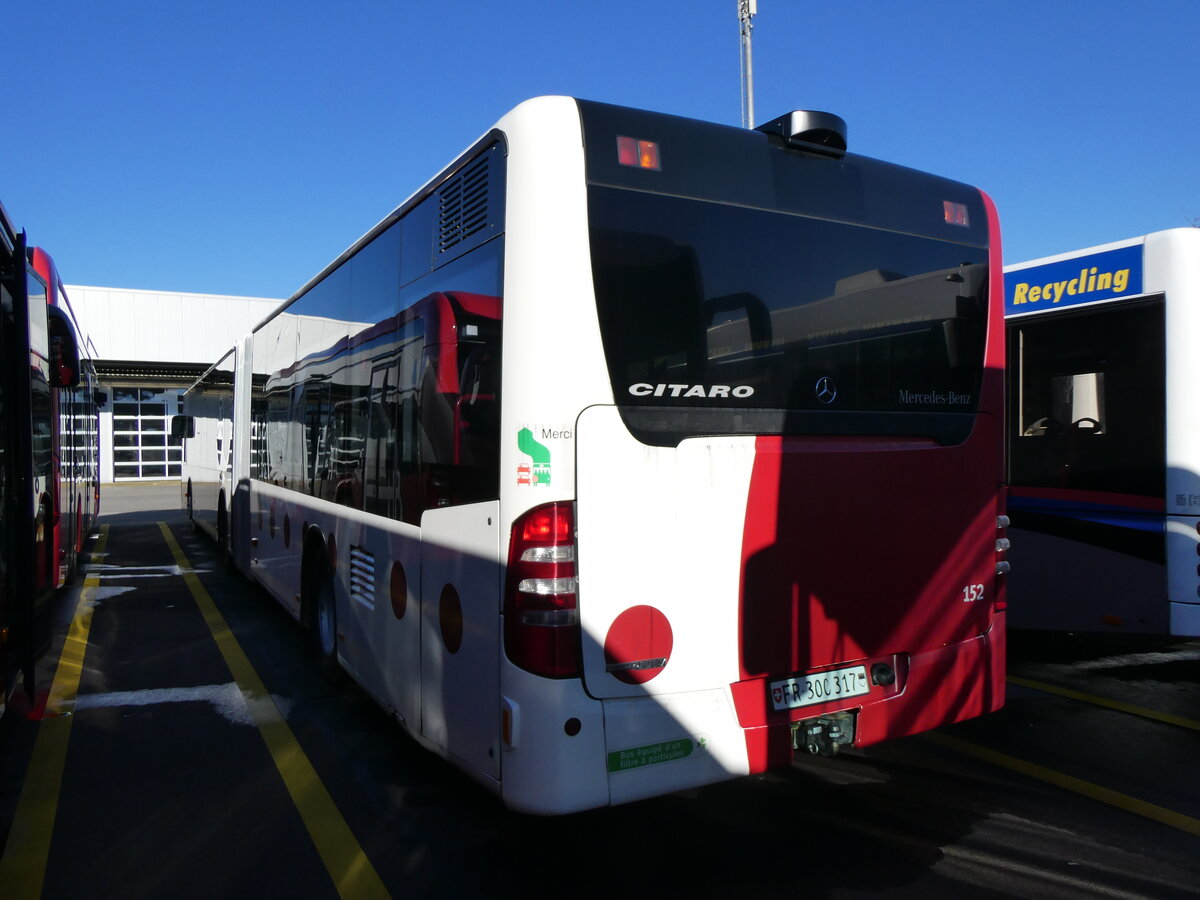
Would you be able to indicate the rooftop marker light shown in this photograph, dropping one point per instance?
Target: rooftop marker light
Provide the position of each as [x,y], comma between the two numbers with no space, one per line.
[638,154]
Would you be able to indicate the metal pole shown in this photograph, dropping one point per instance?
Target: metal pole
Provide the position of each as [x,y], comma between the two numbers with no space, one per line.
[747,9]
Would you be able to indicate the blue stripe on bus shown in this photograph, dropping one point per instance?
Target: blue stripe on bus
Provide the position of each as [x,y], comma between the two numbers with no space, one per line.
[1101,514]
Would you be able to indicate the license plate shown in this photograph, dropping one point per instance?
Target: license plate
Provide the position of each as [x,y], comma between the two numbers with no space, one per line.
[822,687]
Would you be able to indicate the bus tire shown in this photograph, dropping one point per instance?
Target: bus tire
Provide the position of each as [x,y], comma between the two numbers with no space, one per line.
[324,628]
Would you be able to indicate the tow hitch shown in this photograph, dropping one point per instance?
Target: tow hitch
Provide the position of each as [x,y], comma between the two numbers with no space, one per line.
[823,735]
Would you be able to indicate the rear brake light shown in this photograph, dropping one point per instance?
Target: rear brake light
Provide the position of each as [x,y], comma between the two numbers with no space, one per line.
[541,617]
[551,523]
[1002,566]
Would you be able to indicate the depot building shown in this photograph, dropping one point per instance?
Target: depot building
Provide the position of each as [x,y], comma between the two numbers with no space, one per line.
[148,348]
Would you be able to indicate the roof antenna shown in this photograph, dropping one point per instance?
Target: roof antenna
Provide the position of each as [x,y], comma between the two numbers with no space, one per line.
[747,10]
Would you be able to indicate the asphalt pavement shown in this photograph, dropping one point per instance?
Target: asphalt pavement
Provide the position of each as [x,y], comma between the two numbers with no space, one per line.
[142,769]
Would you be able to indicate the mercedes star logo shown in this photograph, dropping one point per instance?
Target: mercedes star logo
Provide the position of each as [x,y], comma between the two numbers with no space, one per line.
[826,390]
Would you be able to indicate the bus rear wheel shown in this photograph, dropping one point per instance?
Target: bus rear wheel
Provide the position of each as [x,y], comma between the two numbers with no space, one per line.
[324,629]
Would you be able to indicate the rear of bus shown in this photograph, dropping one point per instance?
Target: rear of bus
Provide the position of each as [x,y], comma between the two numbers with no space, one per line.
[755,462]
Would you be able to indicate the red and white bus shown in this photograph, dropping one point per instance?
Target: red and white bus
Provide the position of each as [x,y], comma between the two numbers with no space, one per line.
[49,449]
[633,453]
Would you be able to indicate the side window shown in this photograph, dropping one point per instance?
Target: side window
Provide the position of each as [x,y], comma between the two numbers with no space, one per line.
[259,463]
[453,398]
[43,438]
[379,474]
[345,454]
[477,419]
[382,390]
[39,344]
[1088,411]
[410,485]
[314,409]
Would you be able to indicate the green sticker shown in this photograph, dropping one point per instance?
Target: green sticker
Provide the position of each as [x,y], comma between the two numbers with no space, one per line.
[650,755]
[539,453]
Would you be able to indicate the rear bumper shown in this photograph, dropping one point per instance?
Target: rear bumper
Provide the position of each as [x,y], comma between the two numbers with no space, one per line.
[935,688]
[624,749]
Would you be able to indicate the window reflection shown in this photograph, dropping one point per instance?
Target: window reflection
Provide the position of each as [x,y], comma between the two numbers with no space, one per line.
[700,294]
[380,398]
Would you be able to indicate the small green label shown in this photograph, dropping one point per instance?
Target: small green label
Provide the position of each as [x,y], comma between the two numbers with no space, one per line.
[650,755]
[539,453]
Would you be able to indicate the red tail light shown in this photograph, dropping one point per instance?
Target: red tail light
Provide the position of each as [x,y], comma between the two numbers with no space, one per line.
[1002,545]
[541,618]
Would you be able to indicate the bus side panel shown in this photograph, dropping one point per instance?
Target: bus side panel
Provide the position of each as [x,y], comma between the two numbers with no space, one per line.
[376,571]
[1172,264]
[273,562]
[554,755]
[1171,261]
[1062,584]
[460,633]
[378,566]
[396,638]
[1183,612]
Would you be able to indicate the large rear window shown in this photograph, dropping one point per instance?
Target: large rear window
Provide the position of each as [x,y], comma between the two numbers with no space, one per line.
[719,318]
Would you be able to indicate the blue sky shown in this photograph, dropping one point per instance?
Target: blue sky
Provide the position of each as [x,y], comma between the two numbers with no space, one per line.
[237,147]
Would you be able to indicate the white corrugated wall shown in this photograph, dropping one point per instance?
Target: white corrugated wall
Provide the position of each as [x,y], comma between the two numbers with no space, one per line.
[161,327]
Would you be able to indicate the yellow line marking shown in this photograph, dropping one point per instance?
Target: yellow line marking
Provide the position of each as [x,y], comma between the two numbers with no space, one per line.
[1104,701]
[1069,783]
[23,866]
[348,865]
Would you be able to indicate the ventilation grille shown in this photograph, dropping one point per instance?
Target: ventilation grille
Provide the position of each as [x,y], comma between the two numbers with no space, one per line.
[362,575]
[463,207]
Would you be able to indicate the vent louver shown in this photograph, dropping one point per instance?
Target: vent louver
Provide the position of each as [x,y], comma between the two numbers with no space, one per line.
[362,575]
[463,204]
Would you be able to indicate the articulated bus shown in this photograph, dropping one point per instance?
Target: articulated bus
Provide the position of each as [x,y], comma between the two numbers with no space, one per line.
[1103,425]
[48,452]
[633,453]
